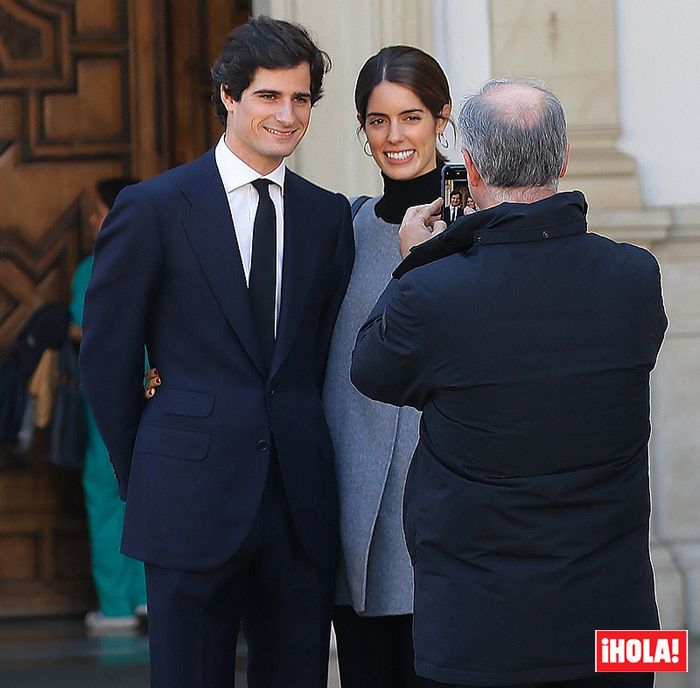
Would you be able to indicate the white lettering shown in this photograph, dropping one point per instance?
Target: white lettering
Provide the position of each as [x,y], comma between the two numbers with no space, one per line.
[634,650]
[663,651]
[617,650]
[658,648]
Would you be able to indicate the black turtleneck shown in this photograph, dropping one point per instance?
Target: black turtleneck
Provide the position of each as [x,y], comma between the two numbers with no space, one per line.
[398,196]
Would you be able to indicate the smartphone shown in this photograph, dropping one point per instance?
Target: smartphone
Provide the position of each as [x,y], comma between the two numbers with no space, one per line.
[455,192]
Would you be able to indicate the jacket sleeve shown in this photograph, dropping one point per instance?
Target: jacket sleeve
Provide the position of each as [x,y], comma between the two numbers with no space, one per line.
[341,268]
[390,354]
[125,275]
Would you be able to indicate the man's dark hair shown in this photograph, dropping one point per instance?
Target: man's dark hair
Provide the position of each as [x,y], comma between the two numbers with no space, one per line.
[270,44]
[109,189]
[456,193]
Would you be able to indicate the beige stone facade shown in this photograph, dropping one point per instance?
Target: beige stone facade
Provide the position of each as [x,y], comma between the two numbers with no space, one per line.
[673,235]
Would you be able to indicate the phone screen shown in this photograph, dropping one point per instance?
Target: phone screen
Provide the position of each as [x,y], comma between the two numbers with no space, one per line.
[455,192]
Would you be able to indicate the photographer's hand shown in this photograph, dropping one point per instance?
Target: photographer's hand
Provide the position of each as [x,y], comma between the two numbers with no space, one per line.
[420,223]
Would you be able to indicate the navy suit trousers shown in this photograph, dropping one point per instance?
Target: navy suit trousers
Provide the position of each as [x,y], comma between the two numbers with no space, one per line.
[269,588]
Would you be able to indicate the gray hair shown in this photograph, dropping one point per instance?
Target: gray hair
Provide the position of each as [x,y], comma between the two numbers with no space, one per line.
[514,146]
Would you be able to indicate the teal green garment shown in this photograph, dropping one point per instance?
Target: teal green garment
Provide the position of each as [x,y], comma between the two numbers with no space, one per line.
[119,580]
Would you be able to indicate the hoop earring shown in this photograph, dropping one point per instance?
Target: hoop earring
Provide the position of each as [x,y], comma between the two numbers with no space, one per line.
[364,149]
[442,140]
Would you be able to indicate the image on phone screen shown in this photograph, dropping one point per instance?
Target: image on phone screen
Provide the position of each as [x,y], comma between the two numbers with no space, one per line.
[455,192]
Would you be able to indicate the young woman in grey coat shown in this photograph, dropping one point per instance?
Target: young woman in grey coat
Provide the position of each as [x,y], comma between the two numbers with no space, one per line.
[403,106]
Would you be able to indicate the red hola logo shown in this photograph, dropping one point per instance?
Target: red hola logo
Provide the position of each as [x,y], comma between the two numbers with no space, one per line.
[641,651]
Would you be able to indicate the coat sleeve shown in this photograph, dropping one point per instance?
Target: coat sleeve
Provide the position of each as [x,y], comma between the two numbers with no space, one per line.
[657,306]
[125,276]
[341,267]
[389,361]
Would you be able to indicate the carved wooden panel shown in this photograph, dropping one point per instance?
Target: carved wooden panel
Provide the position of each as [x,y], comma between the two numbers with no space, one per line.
[88,89]
[77,85]
[44,557]
[66,102]
[197,31]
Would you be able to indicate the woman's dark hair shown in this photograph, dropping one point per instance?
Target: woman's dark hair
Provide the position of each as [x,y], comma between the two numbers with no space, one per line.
[268,43]
[409,67]
[108,189]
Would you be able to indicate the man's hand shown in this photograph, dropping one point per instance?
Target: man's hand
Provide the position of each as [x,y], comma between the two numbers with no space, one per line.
[420,223]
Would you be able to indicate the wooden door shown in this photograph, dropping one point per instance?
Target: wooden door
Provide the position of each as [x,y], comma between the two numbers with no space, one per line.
[196,32]
[79,100]
[88,89]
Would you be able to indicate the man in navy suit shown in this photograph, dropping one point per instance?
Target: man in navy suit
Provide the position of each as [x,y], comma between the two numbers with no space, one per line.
[231,270]
[527,342]
[454,210]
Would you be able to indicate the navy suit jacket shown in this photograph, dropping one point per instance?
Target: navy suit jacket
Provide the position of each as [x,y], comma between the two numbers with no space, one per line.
[447,212]
[527,502]
[192,462]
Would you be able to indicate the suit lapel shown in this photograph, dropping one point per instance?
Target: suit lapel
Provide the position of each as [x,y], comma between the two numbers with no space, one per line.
[300,245]
[211,234]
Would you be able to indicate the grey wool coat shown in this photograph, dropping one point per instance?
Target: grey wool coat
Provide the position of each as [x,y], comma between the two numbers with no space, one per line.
[373,443]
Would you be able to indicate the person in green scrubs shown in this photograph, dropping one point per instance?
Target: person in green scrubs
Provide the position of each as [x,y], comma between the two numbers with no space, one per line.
[119,580]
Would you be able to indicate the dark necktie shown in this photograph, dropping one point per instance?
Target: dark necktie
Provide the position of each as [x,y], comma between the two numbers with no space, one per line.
[263,269]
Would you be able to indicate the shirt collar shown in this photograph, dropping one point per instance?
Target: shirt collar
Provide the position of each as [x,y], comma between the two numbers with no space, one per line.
[235,173]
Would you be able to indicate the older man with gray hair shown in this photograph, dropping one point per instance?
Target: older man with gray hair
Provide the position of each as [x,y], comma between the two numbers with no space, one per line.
[527,342]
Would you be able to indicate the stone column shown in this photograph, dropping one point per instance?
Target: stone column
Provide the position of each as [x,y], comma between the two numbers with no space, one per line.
[571,46]
[676,408]
[461,44]
[673,235]
[331,154]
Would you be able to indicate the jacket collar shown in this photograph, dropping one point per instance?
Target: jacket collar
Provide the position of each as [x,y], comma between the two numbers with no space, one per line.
[209,228]
[300,252]
[560,215]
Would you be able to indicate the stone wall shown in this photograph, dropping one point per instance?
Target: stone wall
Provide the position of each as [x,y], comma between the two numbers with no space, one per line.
[673,235]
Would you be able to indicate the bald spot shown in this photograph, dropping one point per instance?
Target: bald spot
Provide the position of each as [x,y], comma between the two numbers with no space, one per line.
[517,103]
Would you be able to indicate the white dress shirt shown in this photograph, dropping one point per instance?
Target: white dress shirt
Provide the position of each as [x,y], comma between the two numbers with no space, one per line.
[243,202]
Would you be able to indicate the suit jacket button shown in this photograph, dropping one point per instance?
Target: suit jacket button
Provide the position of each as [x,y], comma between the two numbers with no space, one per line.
[262,445]
[545,235]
